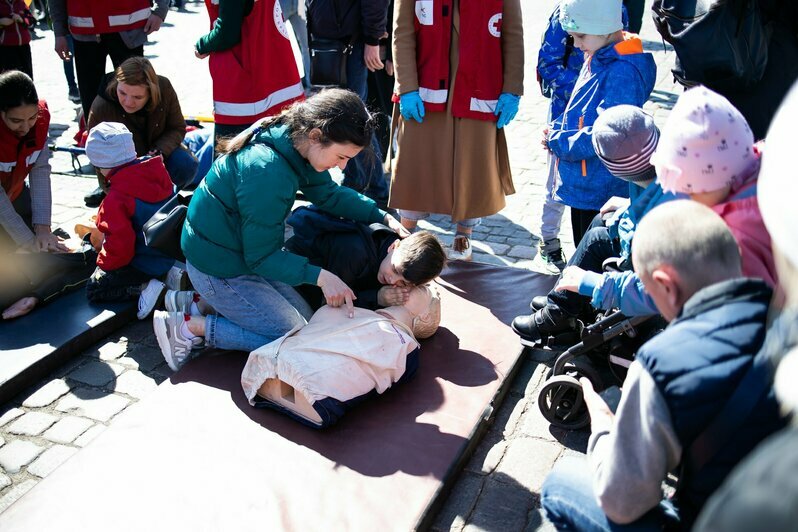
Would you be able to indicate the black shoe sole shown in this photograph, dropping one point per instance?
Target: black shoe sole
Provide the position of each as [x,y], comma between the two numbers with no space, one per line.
[526,340]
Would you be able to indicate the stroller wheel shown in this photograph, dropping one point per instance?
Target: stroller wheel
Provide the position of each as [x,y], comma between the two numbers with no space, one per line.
[577,368]
[562,404]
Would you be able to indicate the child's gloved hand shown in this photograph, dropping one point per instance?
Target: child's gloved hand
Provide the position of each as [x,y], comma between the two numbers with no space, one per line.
[411,106]
[506,108]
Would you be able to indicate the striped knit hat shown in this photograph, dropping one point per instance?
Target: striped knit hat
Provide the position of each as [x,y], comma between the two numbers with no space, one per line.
[624,138]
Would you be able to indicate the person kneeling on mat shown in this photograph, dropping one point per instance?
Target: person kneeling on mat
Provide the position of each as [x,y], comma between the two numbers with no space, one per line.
[312,372]
[701,372]
[126,267]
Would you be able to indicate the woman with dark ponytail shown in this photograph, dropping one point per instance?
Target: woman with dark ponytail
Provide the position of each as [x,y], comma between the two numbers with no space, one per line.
[234,232]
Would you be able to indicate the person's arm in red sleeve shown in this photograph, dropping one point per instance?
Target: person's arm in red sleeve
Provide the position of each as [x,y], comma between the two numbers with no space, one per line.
[114,221]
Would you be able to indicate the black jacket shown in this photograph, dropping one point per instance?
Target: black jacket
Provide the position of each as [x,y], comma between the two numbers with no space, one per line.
[341,19]
[353,256]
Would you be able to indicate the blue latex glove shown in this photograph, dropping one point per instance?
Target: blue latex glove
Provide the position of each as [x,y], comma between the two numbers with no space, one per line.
[412,106]
[506,108]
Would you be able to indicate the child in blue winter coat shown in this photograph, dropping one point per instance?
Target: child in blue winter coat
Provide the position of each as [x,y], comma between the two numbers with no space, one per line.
[616,71]
[624,138]
[559,64]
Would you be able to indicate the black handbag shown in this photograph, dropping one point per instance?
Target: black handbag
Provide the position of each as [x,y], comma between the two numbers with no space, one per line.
[162,231]
[328,59]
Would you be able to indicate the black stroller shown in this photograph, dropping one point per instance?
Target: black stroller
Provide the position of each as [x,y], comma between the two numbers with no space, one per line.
[604,353]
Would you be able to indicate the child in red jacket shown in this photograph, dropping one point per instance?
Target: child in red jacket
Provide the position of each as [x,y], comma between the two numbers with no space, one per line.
[138,187]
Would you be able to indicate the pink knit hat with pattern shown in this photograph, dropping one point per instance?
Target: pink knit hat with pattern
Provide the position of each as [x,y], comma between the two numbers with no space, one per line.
[706,144]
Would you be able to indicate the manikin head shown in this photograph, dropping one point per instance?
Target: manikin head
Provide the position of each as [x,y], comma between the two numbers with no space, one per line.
[421,313]
[680,248]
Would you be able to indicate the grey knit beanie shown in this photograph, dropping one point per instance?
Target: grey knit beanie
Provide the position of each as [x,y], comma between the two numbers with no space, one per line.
[624,138]
[110,144]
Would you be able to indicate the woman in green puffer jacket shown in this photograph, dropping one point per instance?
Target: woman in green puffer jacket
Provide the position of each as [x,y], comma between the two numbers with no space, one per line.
[234,232]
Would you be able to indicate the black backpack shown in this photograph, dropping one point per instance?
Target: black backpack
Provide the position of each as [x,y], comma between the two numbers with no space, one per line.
[722,44]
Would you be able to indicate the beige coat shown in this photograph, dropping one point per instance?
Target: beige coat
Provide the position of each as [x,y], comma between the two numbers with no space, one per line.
[448,165]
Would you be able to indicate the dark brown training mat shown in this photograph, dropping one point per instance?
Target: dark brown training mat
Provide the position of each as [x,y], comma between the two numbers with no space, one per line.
[195,456]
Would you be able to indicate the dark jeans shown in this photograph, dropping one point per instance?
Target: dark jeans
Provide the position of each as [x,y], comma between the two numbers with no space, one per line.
[123,284]
[41,275]
[592,251]
[568,500]
[226,131]
[635,8]
[380,90]
[90,63]
[69,66]
[16,58]
[364,172]
[580,222]
[182,167]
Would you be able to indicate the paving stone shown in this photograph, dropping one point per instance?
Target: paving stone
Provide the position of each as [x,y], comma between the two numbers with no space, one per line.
[96,373]
[46,394]
[487,454]
[145,357]
[502,505]
[94,404]
[111,350]
[2,441]
[12,413]
[4,481]
[15,493]
[522,252]
[66,430]
[528,461]
[32,424]
[460,503]
[89,435]
[135,384]
[17,454]
[533,424]
[493,248]
[51,459]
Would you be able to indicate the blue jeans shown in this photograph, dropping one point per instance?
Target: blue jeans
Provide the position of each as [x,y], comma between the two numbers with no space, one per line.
[364,172]
[253,311]
[182,167]
[569,502]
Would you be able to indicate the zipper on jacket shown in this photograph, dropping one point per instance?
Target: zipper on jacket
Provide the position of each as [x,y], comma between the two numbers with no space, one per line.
[584,163]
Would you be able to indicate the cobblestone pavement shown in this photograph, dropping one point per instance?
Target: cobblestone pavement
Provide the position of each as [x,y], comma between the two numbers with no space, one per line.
[498,490]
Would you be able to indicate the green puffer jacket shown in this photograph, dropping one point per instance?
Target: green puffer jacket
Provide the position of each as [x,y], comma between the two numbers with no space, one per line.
[236,219]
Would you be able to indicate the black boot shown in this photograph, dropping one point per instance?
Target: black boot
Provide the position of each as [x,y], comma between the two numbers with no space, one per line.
[94,198]
[536,327]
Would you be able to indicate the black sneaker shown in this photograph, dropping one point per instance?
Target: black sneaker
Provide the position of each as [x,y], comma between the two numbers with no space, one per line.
[94,198]
[536,327]
[552,255]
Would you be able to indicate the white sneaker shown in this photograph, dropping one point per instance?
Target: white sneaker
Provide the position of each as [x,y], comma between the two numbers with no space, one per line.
[175,348]
[149,298]
[176,278]
[461,248]
[179,301]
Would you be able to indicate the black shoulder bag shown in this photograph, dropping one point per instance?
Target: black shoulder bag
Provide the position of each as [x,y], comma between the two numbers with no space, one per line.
[328,57]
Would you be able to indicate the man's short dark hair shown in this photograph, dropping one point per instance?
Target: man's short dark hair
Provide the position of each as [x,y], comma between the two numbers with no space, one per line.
[423,257]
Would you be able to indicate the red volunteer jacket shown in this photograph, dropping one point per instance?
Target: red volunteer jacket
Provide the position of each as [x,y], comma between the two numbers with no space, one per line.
[17,155]
[15,34]
[136,191]
[480,73]
[258,76]
[90,17]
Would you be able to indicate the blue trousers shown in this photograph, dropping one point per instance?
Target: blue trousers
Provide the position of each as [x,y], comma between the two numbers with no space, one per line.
[364,172]
[253,311]
[182,167]
[569,502]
